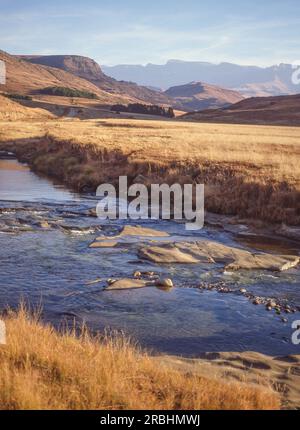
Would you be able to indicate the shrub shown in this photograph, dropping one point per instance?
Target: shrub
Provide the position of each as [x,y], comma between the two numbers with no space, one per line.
[68,92]
[17,96]
[144,109]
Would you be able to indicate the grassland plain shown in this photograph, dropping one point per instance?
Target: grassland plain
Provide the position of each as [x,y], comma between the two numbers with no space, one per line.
[250,171]
[42,369]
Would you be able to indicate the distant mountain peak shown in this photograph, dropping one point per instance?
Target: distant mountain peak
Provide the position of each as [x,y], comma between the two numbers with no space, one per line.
[198,95]
[257,81]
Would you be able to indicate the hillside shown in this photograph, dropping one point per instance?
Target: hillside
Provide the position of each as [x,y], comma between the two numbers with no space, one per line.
[199,96]
[88,69]
[283,110]
[11,110]
[26,78]
[251,81]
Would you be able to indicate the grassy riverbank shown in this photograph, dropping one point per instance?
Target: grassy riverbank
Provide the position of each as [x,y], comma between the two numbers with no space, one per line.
[249,171]
[41,369]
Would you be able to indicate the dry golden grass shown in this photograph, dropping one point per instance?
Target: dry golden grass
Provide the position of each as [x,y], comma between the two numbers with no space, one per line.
[12,111]
[41,369]
[252,171]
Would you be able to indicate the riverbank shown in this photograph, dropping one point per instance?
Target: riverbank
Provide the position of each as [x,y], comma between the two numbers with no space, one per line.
[42,369]
[57,228]
[249,171]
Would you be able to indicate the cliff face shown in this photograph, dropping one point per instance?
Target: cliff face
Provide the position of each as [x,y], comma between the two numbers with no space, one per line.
[88,69]
[83,67]
[25,77]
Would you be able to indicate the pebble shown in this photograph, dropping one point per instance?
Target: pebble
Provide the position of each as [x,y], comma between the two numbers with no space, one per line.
[137,274]
[148,274]
[165,282]
[269,303]
[44,224]
[111,281]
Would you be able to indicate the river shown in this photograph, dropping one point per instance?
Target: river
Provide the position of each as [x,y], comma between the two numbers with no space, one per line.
[45,233]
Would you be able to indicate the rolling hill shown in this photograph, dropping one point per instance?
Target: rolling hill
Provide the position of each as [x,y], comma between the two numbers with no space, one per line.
[199,96]
[31,74]
[26,78]
[12,110]
[87,69]
[281,110]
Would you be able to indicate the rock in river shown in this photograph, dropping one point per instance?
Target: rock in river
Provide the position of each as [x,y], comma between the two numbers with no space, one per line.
[213,252]
[128,284]
[104,244]
[164,282]
[131,230]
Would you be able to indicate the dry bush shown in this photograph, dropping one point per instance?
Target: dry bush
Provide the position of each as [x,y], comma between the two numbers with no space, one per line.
[42,369]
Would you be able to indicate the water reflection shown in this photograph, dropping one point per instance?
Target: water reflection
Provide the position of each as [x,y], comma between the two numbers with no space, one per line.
[18,183]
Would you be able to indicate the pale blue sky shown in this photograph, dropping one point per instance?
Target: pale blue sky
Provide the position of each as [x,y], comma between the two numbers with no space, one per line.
[130,31]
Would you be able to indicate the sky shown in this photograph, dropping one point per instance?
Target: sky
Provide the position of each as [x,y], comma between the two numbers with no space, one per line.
[139,32]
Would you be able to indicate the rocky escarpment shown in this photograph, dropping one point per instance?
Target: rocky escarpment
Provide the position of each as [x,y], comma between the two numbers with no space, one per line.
[88,69]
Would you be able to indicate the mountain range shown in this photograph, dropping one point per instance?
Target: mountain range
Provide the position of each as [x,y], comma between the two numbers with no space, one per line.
[251,81]
[87,69]
[32,74]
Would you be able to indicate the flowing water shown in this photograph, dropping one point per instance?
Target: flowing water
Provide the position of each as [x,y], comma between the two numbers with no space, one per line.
[45,233]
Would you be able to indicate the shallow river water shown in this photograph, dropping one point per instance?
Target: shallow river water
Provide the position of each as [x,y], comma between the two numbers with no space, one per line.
[45,233]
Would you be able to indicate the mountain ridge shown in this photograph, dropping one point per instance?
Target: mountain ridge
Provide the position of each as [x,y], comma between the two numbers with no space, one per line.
[26,78]
[250,80]
[199,95]
[280,110]
[88,69]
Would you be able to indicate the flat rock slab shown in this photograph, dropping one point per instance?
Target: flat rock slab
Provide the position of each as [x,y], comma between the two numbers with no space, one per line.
[246,367]
[129,230]
[104,244]
[213,252]
[129,284]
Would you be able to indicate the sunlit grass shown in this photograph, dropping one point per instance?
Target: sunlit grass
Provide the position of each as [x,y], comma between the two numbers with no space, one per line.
[41,369]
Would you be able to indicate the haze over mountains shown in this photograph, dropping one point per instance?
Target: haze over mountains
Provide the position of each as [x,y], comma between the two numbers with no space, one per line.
[249,80]
[30,75]
[188,97]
